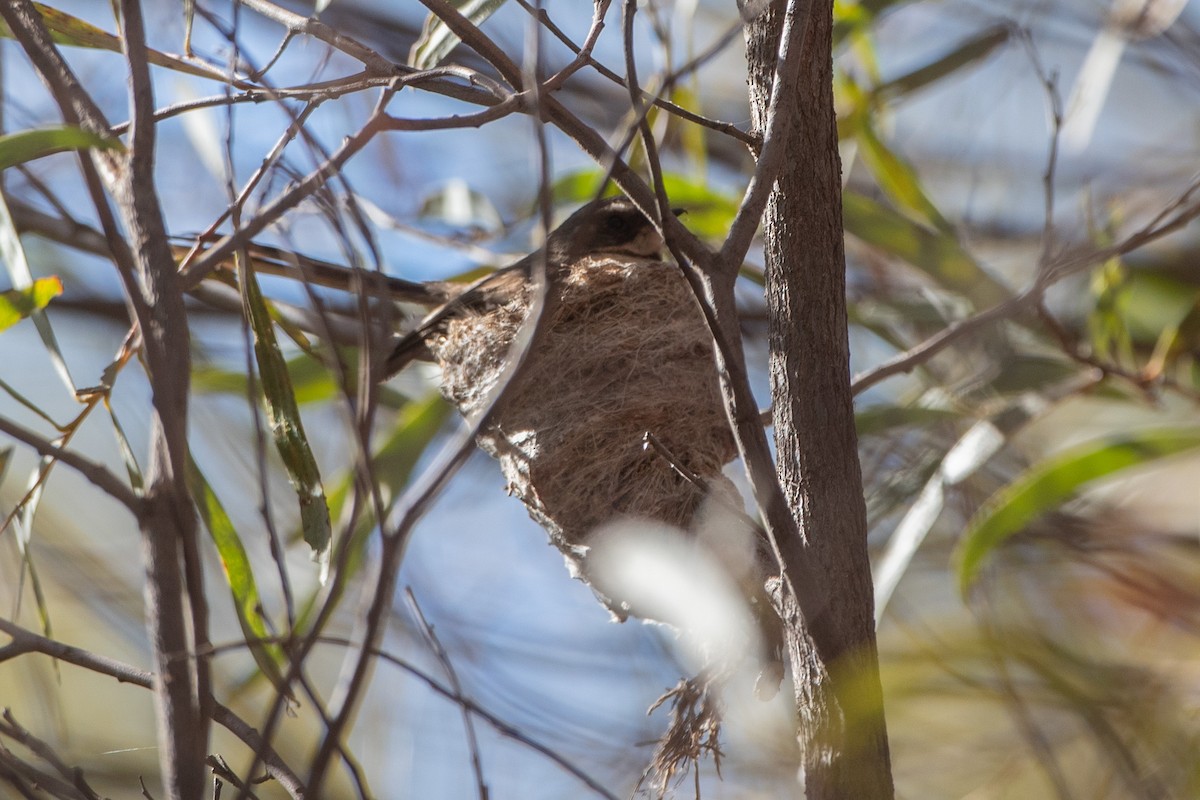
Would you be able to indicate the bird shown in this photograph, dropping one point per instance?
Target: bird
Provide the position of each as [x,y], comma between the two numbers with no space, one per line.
[616,412]
[624,355]
[606,227]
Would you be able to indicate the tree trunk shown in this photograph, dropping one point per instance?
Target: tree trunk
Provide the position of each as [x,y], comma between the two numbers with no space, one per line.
[838,695]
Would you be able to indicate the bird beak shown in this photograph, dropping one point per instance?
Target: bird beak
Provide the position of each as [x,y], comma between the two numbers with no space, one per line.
[679,212]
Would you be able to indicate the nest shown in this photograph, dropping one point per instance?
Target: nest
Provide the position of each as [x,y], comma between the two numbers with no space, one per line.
[623,352]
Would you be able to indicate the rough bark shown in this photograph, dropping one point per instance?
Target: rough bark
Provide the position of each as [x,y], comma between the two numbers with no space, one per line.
[838,693]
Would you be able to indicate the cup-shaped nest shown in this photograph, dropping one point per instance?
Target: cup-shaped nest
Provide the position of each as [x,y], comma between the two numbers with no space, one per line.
[623,351]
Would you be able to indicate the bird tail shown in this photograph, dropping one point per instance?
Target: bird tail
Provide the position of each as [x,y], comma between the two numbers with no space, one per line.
[269,260]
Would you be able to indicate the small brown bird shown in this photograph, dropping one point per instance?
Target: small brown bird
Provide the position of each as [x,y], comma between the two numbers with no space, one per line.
[617,412]
[612,227]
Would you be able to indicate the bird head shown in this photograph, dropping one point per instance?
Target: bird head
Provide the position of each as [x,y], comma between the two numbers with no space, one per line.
[610,227]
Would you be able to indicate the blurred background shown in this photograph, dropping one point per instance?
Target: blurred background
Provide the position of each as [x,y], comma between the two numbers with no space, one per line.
[1032,490]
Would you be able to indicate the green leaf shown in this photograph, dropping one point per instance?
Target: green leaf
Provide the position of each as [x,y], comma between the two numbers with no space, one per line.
[287,429]
[17,304]
[938,255]
[437,40]
[709,212]
[239,576]
[311,381]
[1025,372]
[67,29]
[580,186]
[12,255]
[974,49]
[393,463]
[1108,318]
[897,178]
[1053,482]
[1157,302]
[131,465]
[17,148]
[70,30]
[418,424]
[855,16]
[880,419]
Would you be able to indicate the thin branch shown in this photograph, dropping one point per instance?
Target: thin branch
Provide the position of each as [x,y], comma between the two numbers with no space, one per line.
[95,472]
[34,783]
[443,658]
[1049,83]
[312,27]
[74,775]
[773,154]
[26,641]
[583,56]
[1172,218]
[177,607]
[502,727]
[476,120]
[197,270]
[916,356]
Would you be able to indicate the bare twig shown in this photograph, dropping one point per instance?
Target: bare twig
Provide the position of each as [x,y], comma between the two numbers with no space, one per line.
[212,258]
[97,473]
[32,782]
[298,25]
[1171,218]
[167,521]
[914,357]
[443,658]
[74,775]
[1049,83]
[26,641]
[584,57]
[773,154]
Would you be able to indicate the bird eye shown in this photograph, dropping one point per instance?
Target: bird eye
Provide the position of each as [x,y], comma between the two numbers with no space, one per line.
[615,223]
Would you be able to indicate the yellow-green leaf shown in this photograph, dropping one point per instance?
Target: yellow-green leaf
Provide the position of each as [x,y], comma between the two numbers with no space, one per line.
[855,16]
[974,49]
[71,30]
[311,380]
[1056,480]
[939,255]
[416,426]
[897,178]
[17,148]
[17,304]
[287,429]
[437,40]
[239,576]
[709,212]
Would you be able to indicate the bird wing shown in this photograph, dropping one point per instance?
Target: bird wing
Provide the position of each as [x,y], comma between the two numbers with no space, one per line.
[492,289]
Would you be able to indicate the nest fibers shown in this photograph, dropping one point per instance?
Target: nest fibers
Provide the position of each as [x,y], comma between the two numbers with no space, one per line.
[623,351]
